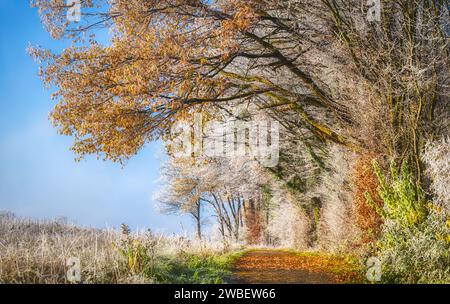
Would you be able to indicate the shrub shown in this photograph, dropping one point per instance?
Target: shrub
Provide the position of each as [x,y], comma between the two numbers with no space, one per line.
[366,183]
[419,254]
[415,242]
[337,229]
[404,199]
[288,226]
[437,158]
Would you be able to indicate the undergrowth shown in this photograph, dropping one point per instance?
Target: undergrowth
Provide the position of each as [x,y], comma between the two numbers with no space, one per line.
[415,242]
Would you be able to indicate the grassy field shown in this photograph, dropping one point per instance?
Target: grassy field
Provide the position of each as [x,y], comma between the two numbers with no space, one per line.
[38,252]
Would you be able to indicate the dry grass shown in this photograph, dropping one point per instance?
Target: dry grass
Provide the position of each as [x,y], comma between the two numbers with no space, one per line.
[37,252]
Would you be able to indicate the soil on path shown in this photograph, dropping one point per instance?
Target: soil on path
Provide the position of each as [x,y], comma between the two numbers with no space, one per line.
[277,267]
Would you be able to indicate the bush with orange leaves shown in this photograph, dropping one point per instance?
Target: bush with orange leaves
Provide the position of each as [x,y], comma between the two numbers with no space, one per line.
[366,183]
[253,221]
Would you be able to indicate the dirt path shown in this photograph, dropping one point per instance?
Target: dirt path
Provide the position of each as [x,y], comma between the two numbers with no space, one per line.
[271,266]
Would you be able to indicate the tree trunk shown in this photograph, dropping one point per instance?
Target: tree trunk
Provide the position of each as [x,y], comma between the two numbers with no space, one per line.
[198,220]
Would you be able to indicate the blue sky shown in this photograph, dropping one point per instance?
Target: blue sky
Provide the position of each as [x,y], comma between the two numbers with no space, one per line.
[38,175]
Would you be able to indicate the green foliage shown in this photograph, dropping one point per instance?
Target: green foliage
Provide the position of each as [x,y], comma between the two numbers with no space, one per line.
[139,254]
[404,199]
[141,259]
[415,242]
[192,268]
[416,255]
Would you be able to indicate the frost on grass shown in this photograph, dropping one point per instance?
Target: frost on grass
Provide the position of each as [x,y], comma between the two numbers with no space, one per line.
[37,252]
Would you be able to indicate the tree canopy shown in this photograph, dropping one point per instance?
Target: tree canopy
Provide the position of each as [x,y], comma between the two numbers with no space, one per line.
[370,80]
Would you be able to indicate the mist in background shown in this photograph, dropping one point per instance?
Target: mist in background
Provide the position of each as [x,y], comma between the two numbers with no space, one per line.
[39,177]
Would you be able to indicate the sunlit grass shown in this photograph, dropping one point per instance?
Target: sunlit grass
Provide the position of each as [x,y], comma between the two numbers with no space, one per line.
[37,252]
